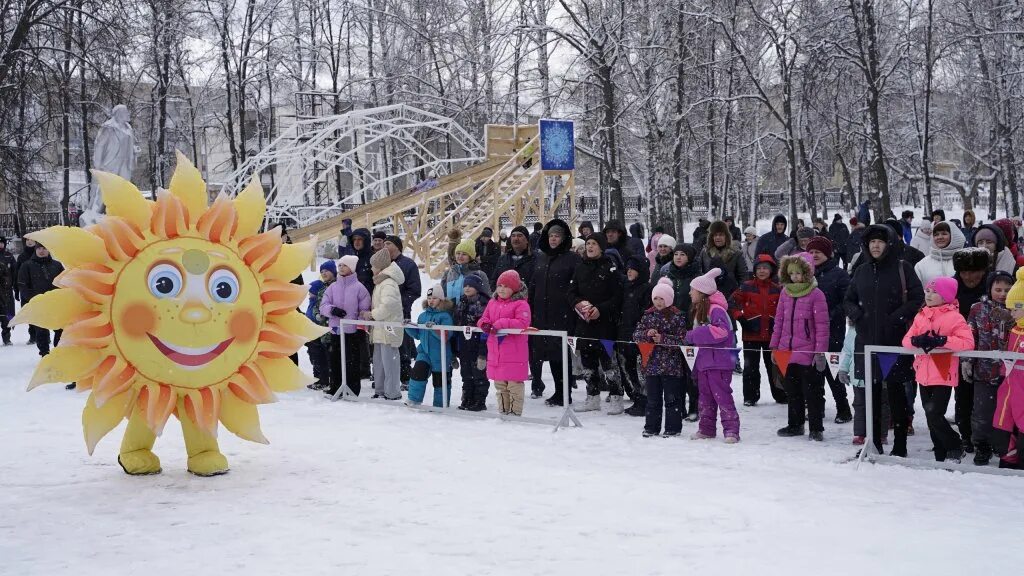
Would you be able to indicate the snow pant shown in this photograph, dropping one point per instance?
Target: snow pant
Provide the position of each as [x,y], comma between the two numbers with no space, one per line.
[600,371]
[839,394]
[911,390]
[354,344]
[753,353]
[5,328]
[629,371]
[896,393]
[860,417]
[406,355]
[418,384]
[43,339]
[542,348]
[983,411]
[805,388]
[936,400]
[365,355]
[964,408]
[510,396]
[318,358]
[475,385]
[690,389]
[669,388]
[387,371]
[716,396]
[536,367]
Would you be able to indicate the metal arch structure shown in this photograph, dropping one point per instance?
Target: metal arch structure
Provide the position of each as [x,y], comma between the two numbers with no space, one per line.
[320,167]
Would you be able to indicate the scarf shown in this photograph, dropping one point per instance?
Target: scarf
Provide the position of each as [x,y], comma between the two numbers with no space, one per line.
[800,289]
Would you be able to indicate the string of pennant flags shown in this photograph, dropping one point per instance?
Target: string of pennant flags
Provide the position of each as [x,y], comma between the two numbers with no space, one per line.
[886,360]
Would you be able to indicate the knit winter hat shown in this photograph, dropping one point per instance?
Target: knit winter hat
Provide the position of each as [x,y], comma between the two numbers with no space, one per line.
[1015,297]
[558,230]
[805,233]
[664,290]
[522,230]
[467,247]
[510,279]
[330,266]
[474,281]
[600,238]
[750,230]
[578,244]
[397,242]
[926,227]
[435,291]
[821,244]
[945,287]
[666,240]
[706,284]
[986,234]
[380,260]
[351,261]
[687,249]
[380,234]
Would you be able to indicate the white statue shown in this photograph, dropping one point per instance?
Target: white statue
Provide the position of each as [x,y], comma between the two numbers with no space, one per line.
[114,151]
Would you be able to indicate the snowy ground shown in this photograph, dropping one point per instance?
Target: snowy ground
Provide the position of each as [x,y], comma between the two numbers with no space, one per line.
[348,488]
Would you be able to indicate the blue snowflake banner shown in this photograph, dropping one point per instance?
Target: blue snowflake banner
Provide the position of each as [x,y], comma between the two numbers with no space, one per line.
[557,145]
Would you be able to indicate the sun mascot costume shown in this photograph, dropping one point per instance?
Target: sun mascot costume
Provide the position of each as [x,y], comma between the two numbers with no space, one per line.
[174,307]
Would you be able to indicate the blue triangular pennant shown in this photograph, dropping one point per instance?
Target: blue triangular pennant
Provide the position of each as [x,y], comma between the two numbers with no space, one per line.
[500,338]
[609,345]
[886,360]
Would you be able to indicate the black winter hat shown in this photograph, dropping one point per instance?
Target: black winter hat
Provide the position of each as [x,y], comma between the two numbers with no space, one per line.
[585,224]
[971,259]
[396,241]
[994,276]
[688,249]
[600,238]
[876,232]
[615,225]
[380,234]
[837,218]
[522,230]
[896,227]
[940,213]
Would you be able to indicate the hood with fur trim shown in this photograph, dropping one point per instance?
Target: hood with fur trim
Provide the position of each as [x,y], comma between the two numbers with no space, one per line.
[719,227]
[803,260]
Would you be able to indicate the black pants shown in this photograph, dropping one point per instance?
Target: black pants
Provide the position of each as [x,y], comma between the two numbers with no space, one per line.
[353,350]
[805,389]
[406,355]
[964,408]
[936,400]
[318,358]
[475,385]
[838,393]
[896,393]
[690,391]
[601,372]
[365,356]
[43,339]
[549,348]
[860,426]
[629,371]
[753,353]
[536,367]
[5,328]
[671,389]
[983,411]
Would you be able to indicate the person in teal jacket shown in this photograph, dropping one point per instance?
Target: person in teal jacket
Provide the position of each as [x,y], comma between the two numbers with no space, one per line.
[438,310]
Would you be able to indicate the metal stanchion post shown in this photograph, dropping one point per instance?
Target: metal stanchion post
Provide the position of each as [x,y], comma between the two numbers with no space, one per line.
[568,415]
[444,369]
[869,411]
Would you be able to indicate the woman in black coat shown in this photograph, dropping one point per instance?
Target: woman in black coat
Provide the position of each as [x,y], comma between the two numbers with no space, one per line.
[550,306]
[884,296]
[596,295]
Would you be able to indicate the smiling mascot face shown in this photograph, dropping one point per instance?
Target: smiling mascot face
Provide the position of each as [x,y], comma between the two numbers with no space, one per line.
[174,307]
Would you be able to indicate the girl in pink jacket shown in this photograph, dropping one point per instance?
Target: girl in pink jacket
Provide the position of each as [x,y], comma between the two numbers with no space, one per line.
[801,330]
[939,327]
[507,354]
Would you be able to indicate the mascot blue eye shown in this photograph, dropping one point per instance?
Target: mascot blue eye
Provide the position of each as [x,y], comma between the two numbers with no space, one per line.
[224,286]
[165,281]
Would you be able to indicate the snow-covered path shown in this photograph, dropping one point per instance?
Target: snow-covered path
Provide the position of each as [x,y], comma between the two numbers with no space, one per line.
[349,488]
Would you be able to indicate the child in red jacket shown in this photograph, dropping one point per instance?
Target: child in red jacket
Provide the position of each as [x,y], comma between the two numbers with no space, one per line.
[939,327]
[753,306]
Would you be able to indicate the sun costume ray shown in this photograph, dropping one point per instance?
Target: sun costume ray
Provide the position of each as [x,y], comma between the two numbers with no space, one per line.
[174,307]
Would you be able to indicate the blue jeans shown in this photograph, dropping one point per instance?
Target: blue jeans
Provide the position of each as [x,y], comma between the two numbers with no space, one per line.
[671,388]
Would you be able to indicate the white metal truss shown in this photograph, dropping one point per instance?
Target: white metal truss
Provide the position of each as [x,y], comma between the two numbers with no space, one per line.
[319,166]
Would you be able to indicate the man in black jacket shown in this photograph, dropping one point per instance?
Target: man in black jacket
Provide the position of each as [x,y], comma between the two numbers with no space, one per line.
[487,251]
[535,236]
[615,236]
[28,250]
[884,296]
[840,237]
[596,295]
[770,242]
[550,306]
[8,282]
[833,281]
[36,277]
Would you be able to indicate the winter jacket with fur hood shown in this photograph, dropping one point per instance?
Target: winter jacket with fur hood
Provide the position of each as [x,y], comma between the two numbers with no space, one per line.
[730,260]
[801,322]
[944,320]
[938,262]
[387,305]
[550,305]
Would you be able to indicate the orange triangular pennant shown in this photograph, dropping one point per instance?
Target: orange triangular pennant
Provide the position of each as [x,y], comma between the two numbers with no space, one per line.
[782,360]
[645,352]
[943,363]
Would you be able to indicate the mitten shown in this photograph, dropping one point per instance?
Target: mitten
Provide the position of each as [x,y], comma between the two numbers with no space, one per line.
[338,312]
[455,363]
[843,377]
[967,370]
[819,362]
[487,327]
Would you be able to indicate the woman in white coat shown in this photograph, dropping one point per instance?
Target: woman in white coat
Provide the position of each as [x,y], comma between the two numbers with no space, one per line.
[938,259]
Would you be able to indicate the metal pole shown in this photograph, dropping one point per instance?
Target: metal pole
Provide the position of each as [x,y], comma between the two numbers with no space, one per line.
[343,391]
[869,379]
[444,370]
[568,415]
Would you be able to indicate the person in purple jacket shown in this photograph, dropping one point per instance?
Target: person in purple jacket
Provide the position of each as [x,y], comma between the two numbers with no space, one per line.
[347,298]
[712,333]
[802,329]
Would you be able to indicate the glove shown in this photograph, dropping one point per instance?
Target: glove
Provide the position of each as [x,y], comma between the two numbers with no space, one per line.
[429,324]
[338,312]
[481,363]
[967,370]
[487,327]
[819,362]
[928,341]
[455,363]
[843,377]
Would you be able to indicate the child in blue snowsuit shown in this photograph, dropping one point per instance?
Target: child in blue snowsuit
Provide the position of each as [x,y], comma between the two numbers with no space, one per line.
[438,310]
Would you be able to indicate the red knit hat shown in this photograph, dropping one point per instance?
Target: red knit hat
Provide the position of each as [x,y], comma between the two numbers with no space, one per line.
[821,244]
[510,279]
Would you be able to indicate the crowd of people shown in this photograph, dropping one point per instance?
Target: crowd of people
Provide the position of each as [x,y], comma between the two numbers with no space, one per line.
[637,305]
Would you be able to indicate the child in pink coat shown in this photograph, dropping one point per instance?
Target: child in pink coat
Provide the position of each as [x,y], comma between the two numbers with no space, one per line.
[507,354]
[939,327]
[802,330]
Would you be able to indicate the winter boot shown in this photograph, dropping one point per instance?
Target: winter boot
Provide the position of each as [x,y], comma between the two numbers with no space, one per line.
[910,426]
[954,455]
[732,439]
[816,435]
[639,407]
[417,389]
[556,399]
[468,398]
[967,445]
[649,434]
[671,434]
[700,436]
[439,397]
[843,414]
[858,440]
[791,431]
[982,454]
[592,404]
[615,408]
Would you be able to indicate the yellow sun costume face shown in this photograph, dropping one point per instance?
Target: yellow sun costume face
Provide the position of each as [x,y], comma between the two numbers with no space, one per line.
[174,307]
